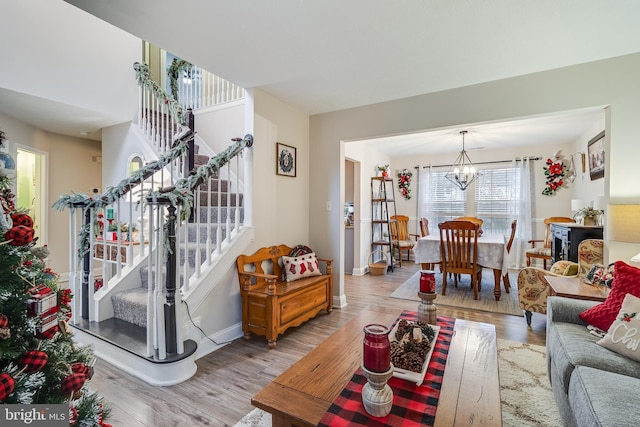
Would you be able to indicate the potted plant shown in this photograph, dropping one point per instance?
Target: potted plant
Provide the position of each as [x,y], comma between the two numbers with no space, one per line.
[588,216]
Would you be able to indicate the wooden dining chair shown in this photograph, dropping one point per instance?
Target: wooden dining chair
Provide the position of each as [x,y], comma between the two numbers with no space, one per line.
[505,277]
[459,252]
[474,219]
[401,239]
[544,252]
[424,231]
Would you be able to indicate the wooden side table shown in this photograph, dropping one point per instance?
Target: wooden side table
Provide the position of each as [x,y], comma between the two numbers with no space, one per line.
[573,287]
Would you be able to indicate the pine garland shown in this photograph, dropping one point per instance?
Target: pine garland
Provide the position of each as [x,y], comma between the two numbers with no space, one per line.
[179,195]
[144,79]
[177,65]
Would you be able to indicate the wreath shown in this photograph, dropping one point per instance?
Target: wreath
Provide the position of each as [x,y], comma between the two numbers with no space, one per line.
[404,181]
[554,171]
[174,73]
[286,161]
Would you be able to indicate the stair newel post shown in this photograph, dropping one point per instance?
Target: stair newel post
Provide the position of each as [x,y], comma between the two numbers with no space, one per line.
[86,266]
[191,155]
[170,287]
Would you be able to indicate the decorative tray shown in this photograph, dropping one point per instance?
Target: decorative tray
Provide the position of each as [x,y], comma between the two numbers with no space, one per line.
[405,374]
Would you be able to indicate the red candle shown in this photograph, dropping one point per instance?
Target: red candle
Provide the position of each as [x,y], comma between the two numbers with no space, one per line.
[427,281]
[377,349]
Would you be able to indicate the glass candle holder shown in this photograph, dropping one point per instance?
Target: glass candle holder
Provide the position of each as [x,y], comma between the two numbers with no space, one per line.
[377,349]
[427,281]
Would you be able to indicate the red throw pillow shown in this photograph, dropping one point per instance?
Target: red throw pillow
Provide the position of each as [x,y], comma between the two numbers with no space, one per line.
[626,281]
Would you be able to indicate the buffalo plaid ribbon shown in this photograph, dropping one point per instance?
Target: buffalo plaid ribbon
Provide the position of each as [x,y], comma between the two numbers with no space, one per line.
[412,405]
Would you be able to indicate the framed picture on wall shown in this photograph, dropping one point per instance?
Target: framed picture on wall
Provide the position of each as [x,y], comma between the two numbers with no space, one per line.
[285,160]
[596,156]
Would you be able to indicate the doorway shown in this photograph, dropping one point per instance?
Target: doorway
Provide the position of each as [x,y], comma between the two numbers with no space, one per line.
[31,187]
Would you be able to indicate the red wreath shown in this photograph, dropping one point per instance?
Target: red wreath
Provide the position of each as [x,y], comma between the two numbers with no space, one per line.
[554,171]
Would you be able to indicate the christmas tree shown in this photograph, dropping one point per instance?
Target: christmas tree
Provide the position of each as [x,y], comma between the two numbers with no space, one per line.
[39,362]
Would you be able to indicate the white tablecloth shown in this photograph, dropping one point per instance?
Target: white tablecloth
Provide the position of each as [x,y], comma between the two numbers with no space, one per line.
[491,250]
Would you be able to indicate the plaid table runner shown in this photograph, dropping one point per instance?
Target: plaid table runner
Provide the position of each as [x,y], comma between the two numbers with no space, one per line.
[412,405]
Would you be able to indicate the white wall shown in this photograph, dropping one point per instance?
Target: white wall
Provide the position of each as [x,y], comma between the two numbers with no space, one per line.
[70,169]
[614,82]
[78,59]
[281,203]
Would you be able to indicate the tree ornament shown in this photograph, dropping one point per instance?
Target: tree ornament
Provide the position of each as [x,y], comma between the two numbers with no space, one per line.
[19,218]
[7,385]
[49,333]
[81,368]
[72,383]
[73,416]
[20,235]
[4,321]
[33,360]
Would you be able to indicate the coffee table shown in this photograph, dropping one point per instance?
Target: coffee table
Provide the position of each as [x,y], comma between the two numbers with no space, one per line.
[573,287]
[301,395]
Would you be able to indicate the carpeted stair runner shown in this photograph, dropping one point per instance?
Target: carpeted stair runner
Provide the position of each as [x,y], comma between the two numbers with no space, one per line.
[131,305]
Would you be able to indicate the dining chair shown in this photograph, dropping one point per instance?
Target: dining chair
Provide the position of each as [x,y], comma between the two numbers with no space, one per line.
[505,277]
[474,219]
[459,253]
[401,239]
[424,231]
[544,252]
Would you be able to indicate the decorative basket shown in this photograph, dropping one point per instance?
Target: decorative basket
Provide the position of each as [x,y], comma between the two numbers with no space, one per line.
[378,268]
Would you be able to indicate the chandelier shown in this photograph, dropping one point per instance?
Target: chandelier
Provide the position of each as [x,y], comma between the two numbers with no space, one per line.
[462,172]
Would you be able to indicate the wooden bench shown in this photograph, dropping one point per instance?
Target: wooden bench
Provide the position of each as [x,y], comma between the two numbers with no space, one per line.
[270,304]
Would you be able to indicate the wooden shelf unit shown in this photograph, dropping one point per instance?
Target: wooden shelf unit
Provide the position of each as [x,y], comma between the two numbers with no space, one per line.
[383,207]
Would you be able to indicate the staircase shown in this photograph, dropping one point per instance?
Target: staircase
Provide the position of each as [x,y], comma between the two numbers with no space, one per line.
[130,305]
[191,211]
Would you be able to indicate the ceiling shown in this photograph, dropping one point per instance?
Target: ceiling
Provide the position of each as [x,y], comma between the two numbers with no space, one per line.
[323,56]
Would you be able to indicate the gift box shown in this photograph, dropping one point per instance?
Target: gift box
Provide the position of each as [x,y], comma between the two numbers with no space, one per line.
[47,322]
[42,300]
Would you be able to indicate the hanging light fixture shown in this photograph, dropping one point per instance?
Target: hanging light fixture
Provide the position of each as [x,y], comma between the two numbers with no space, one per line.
[462,172]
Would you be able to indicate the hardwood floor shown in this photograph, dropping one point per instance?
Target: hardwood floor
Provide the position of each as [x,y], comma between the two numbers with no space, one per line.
[220,392]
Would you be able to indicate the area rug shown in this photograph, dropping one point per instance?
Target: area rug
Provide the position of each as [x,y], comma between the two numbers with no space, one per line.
[525,393]
[462,296]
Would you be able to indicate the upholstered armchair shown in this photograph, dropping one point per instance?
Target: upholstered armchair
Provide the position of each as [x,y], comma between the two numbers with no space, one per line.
[533,289]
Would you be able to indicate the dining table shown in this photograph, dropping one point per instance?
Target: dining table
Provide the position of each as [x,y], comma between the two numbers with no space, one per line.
[491,254]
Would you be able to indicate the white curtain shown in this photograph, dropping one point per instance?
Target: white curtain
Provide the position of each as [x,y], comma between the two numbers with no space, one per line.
[425,208]
[522,208]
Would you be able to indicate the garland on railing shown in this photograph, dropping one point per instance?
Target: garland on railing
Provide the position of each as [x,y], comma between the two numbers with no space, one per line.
[177,65]
[144,79]
[179,195]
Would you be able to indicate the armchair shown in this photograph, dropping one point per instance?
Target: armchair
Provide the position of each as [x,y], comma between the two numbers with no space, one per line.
[533,288]
[400,237]
[544,252]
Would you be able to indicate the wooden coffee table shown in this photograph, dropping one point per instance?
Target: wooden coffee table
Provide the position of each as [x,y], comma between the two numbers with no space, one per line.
[573,287]
[301,395]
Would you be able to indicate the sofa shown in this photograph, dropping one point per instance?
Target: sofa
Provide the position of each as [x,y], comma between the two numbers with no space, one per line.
[592,385]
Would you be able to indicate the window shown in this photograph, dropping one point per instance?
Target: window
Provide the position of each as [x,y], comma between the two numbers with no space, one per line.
[447,200]
[496,199]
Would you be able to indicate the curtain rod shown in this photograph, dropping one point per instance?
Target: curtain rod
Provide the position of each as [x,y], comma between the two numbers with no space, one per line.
[481,163]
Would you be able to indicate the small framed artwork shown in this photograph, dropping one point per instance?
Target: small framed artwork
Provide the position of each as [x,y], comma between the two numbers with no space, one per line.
[285,160]
[596,156]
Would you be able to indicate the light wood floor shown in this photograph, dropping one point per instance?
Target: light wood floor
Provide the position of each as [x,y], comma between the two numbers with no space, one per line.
[220,392]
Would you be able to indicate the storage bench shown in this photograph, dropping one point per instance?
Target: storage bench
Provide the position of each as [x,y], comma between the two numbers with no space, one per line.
[271,304]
